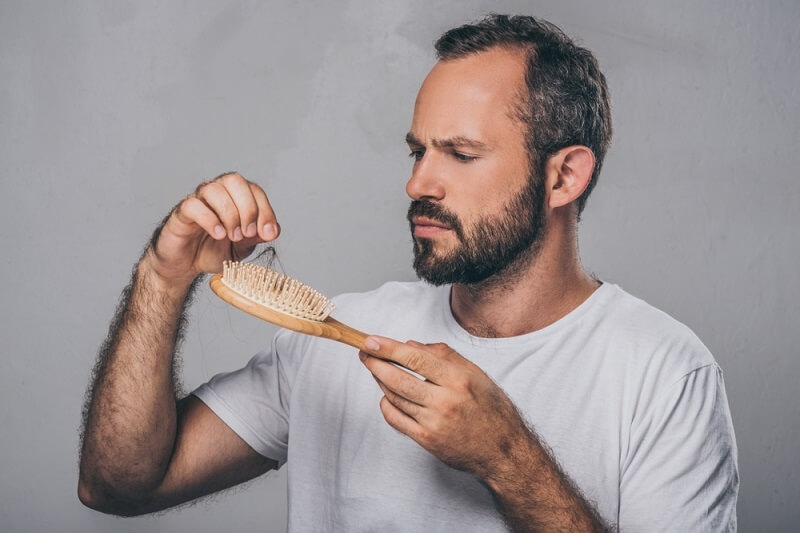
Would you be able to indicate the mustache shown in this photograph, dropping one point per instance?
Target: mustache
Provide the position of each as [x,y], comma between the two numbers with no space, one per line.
[434,211]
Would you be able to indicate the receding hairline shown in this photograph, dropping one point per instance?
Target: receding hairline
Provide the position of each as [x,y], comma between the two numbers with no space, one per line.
[526,53]
[515,109]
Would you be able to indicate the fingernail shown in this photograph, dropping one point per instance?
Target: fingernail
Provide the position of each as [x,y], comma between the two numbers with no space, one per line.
[362,356]
[372,345]
[269,231]
[219,231]
[237,234]
[251,229]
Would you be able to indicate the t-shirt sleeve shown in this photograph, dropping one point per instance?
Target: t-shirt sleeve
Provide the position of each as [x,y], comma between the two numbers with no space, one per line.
[254,402]
[680,473]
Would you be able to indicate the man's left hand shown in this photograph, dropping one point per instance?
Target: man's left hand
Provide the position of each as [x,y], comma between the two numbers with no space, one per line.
[457,412]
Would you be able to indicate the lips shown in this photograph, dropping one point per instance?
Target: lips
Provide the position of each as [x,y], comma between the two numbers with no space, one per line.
[429,220]
[428,228]
[425,221]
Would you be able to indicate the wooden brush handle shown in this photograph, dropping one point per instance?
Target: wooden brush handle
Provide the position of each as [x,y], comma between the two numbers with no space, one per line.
[330,328]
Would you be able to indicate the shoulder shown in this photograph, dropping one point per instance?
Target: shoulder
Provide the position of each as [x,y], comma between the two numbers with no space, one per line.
[679,451]
[648,337]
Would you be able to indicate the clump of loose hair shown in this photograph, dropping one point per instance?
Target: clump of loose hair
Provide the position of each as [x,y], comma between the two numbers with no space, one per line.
[566,102]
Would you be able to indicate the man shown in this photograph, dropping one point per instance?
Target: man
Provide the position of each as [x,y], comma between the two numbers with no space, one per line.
[549,400]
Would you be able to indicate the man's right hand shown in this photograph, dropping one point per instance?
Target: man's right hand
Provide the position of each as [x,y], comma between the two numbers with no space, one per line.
[140,451]
[224,219]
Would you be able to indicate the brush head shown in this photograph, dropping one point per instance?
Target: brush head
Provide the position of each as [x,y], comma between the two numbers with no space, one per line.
[276,291]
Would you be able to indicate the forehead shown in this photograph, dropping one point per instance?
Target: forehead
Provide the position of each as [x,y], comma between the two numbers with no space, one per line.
[470,96]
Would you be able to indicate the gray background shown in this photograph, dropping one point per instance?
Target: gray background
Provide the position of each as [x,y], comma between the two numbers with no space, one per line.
[110,112]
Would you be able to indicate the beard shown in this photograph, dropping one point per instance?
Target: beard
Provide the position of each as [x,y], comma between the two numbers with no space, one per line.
[490,245]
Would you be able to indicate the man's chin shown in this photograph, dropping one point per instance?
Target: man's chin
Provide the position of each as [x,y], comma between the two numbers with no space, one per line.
[428,271]
[433,280]
[437,271]
[435,263]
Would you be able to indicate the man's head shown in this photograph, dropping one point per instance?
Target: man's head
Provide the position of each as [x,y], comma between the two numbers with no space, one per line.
[478,183]
[565,101]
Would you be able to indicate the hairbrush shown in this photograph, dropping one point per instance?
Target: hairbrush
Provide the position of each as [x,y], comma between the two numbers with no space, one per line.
[282,301]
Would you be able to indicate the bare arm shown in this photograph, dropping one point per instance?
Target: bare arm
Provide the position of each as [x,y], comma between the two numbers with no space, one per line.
[534,493]
[463,418]
[142,449]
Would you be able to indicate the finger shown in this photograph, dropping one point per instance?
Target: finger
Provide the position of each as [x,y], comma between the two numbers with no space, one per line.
[440,348]
[217,198]
[239,190]
[411,409]
[400,382]
[417,358]
[195,211]
[400,421]
[241,250]
[268,227]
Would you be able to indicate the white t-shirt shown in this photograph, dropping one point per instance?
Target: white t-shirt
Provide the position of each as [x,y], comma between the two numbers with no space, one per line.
[630,402]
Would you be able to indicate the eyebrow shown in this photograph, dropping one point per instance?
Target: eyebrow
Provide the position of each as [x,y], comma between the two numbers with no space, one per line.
[450,142]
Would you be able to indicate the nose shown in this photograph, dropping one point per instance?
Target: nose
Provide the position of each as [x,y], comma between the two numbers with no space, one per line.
[425,181]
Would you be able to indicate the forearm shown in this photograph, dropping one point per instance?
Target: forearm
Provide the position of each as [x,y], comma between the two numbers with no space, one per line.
[131,413]
[535,495]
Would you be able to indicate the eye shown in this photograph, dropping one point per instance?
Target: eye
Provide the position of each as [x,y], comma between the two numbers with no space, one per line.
[416,154]
[464,158]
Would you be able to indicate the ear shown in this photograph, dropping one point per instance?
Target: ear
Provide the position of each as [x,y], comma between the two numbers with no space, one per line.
[568,174]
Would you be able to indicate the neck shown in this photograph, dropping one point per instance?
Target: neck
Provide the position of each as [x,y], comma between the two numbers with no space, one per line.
[541,287]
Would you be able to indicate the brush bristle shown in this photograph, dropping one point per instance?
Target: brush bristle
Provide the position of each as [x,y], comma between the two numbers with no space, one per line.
[276,291]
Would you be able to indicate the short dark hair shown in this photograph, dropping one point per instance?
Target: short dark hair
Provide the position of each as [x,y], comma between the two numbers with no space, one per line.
[567,99]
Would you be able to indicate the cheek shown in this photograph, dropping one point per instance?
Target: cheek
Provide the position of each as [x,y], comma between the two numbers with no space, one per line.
[484,187]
